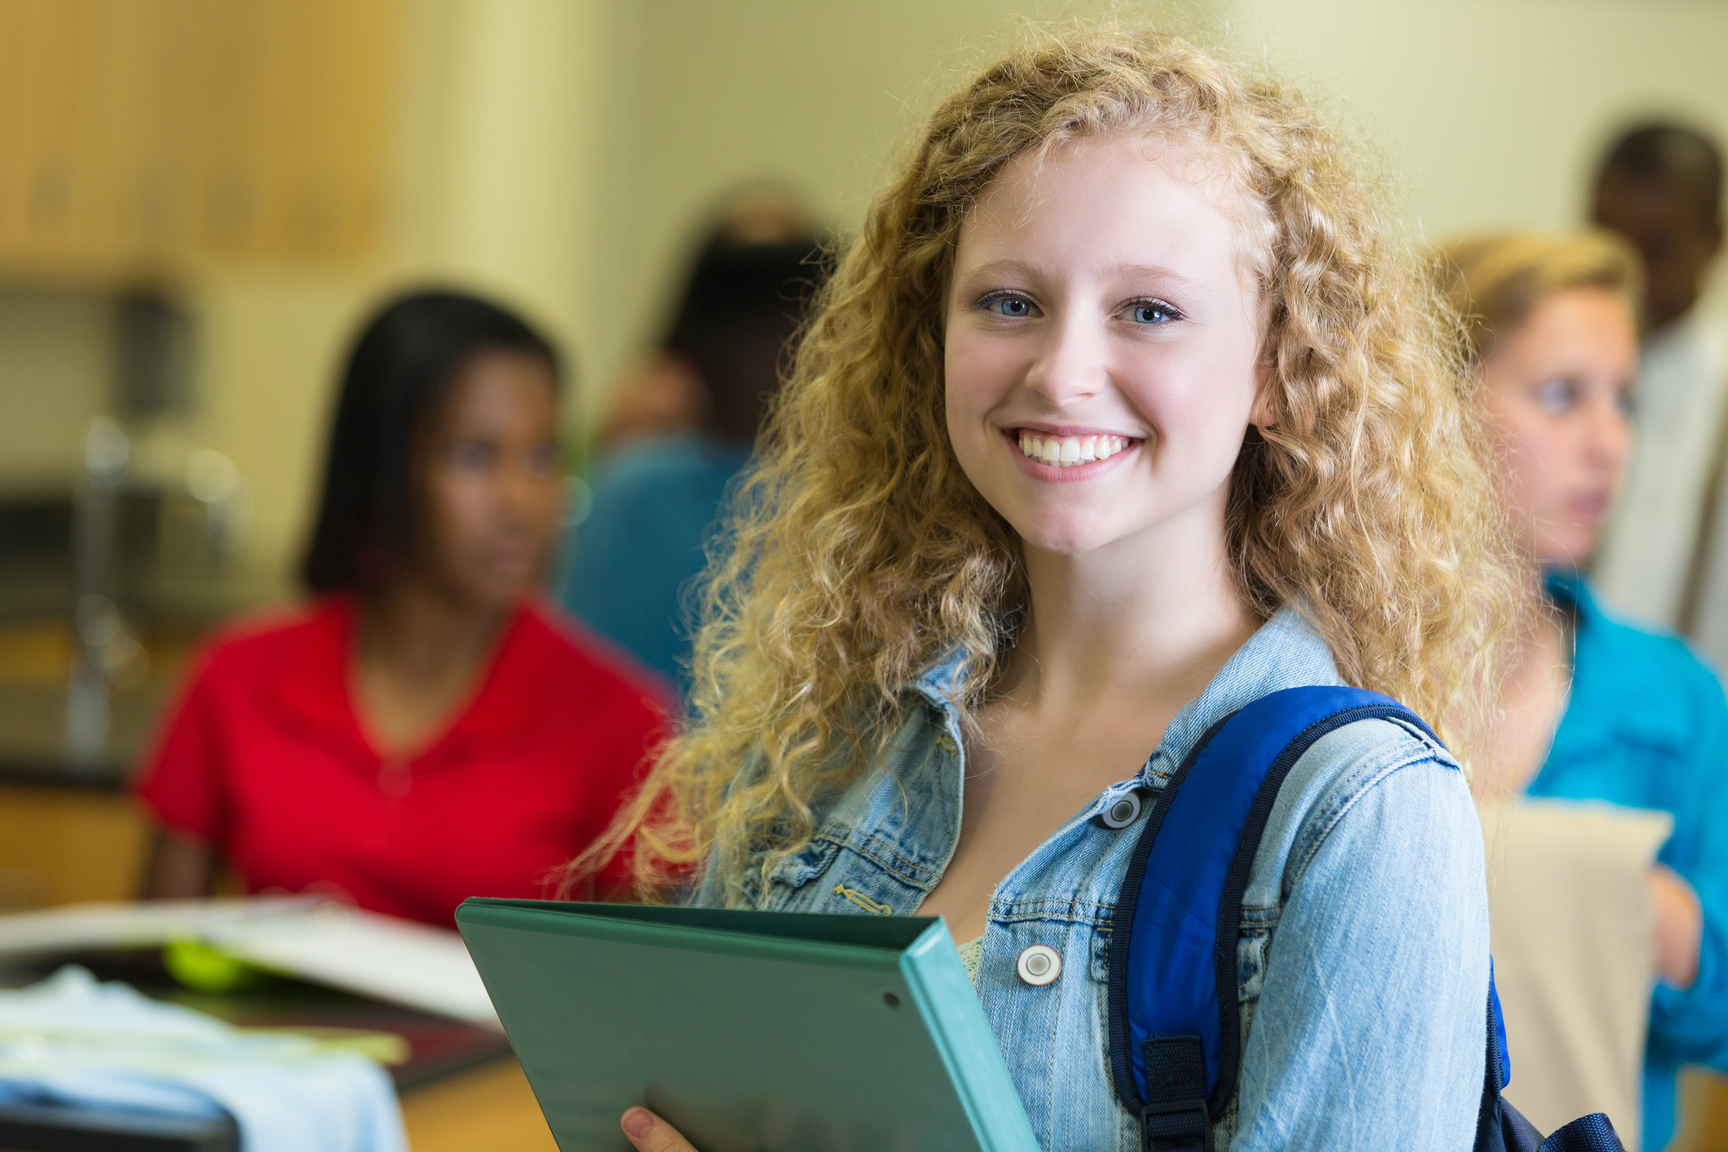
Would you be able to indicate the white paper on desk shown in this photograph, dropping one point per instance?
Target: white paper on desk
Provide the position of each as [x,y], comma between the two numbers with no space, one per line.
[378,956]
[399,961]
[135,925]
[1571,923]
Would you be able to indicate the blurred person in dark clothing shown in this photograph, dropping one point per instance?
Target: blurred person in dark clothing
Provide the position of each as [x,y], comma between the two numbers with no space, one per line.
[682,429]
[423,729]
[1665,557]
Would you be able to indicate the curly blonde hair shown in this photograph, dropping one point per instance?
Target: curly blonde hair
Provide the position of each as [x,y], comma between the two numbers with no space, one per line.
[862,553]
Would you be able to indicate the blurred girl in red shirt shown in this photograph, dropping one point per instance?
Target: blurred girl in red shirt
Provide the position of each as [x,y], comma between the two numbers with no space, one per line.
[425,729]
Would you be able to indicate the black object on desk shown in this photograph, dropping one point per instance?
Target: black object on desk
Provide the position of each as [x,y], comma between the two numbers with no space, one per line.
[47,1129]
[438,1047]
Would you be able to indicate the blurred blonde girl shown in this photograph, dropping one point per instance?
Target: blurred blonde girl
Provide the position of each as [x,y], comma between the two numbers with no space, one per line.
[1596,709]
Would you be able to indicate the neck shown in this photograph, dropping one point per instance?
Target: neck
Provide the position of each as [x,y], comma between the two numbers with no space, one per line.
[1153,613]
[417,632]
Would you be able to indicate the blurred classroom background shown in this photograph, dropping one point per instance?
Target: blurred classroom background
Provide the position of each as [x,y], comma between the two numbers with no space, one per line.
[200,200]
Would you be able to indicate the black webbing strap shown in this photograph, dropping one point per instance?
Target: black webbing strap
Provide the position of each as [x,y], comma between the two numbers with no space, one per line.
[1175,1115]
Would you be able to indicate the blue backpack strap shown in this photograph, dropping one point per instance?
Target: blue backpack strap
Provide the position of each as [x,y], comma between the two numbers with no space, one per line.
[1174,1040]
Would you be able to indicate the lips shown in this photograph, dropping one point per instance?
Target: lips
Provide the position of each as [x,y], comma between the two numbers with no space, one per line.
[1592,506]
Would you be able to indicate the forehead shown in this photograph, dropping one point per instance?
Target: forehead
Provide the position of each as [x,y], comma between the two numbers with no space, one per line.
[1583,327]
[1132,196]
[494,383]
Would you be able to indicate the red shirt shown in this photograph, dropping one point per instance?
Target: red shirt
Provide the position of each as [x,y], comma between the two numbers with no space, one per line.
[265,759]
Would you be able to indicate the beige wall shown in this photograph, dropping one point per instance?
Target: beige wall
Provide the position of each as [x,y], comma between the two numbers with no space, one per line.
[1493,111]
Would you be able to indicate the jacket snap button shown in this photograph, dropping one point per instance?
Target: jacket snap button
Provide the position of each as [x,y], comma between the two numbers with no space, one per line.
[1039,965]
[1123,812]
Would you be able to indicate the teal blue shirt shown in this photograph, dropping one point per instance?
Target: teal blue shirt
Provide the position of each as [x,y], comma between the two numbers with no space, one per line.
[630,569]
[1647,727]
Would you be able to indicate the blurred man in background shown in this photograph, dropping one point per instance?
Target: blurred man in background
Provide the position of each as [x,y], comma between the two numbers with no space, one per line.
[1665,559]
[681,428]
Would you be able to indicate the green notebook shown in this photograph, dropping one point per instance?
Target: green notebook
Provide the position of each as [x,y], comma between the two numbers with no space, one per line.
[758,1031]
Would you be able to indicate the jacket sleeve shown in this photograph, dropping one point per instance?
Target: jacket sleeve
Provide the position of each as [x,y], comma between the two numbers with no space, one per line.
[1370,1030]
[1691,1025]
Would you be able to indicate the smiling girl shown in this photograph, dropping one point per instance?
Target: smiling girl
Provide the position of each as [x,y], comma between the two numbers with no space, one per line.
[1121,413]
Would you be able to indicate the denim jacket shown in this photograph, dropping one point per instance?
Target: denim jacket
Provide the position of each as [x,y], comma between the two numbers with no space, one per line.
[1363,973]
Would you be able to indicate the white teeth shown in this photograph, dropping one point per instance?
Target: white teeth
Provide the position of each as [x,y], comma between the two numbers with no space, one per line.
[1070,451]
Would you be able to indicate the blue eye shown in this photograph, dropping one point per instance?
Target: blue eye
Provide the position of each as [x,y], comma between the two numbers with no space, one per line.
[1557,396]
[1151,312]
[1626,402]
[1004,304]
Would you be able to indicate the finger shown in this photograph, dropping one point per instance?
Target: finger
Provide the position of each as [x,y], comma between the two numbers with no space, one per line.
[649,1133]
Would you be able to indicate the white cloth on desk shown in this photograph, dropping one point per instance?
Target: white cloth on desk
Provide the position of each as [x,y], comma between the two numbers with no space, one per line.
[1571,924]
[72,1041]
[1646,555]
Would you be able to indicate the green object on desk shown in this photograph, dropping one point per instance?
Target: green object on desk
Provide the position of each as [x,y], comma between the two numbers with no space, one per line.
[746,1030]
[203,969]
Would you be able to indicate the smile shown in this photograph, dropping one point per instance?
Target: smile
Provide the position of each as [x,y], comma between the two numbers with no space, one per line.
[1069,451]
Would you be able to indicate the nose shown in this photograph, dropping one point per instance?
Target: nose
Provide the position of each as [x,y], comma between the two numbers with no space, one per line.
[1071,363]
[1608,435]
[521,492]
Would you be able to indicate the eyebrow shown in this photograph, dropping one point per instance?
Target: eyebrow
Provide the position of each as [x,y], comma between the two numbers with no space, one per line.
[1125,271]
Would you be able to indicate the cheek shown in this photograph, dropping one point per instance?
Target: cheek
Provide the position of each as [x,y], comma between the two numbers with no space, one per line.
[970,389]
[549,509]
[1199,406]
[455,510]
[1532,462]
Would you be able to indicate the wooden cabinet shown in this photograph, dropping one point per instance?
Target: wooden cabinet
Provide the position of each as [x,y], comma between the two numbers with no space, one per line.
[138,136]
[62,845]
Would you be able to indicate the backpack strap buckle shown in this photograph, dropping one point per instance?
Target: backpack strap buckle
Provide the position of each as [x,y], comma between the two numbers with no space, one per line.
[1175,1117]
[1176,1126]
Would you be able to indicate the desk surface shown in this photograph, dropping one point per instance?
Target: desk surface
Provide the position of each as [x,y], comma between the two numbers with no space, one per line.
[487,1109]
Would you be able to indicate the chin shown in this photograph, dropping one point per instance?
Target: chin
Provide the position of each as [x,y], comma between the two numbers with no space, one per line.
[1565,553]
[490,597]
[1059,536]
